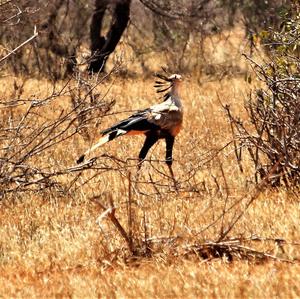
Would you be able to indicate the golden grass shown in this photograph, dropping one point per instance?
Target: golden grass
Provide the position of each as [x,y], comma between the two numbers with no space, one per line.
[51,245]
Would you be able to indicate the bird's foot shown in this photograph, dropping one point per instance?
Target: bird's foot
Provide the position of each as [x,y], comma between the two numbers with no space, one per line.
[138,169]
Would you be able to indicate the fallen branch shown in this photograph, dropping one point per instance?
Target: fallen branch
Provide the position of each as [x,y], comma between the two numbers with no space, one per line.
[231,250]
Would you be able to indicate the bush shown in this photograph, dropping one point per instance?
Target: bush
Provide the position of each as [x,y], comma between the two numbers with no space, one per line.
[273,138]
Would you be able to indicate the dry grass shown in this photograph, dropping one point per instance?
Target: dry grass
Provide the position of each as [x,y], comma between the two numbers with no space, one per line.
[51,245]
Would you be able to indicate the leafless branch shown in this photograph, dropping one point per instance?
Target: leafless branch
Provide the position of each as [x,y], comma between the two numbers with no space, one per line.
[30,134]
[35,34]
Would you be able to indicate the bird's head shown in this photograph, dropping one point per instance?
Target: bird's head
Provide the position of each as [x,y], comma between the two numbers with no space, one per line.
[167,82]
[175,78]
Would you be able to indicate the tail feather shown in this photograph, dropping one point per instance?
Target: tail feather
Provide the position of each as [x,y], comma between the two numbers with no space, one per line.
[136,123]
[103,139]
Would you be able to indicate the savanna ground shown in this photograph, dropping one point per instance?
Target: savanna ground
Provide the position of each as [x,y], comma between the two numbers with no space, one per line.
[54,244]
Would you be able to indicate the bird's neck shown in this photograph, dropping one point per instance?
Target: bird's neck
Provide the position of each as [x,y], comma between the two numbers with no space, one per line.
[175,95]
[175,90]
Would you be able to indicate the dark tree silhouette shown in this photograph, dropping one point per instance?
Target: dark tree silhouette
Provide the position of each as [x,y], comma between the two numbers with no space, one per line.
[102,47]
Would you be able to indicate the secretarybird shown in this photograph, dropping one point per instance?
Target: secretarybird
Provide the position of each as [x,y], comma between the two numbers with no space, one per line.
[160,121]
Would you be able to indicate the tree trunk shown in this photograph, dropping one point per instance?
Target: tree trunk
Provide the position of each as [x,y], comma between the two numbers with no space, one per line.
[102,47]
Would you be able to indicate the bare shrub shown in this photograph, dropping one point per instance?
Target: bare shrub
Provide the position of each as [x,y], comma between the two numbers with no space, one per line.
[62,27]
[179,30]
[274,112]
[176,29]
[29,137]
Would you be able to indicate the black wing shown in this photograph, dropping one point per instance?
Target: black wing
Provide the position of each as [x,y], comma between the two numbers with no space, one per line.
[136,122]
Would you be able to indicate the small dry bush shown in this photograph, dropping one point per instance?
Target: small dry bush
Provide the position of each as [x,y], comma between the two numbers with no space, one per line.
[272,136]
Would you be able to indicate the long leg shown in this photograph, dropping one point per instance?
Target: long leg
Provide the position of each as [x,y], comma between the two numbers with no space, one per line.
[149,142]
[169,149]
[169,156]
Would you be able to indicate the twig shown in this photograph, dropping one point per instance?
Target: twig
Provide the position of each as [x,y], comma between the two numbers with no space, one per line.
[5,2]
[110,212]
[35,34]
[129,211]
